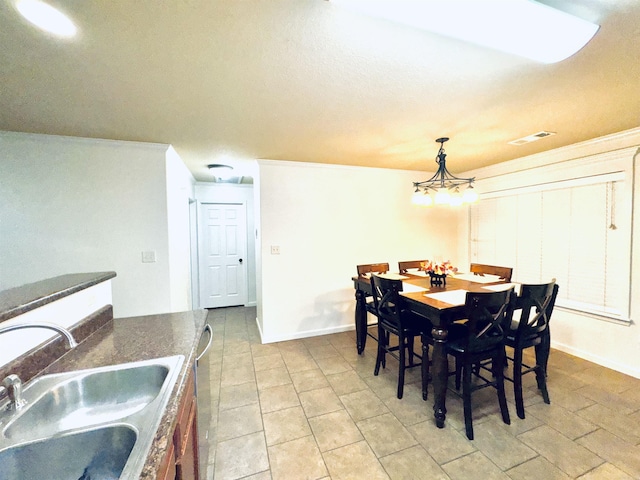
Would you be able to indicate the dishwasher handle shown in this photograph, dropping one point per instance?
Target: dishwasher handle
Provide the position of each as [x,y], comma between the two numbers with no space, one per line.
[207,328]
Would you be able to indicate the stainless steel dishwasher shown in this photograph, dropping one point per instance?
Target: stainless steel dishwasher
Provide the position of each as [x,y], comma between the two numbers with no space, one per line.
[203,395]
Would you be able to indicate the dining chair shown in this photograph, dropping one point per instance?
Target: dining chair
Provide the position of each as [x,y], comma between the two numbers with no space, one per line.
[393,319]
[366,270]
[503,272]
[543,350]
[530,329]
[479,339]
[403,267]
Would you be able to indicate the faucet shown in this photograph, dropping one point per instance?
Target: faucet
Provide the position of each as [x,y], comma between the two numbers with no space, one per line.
[50,326]
[12,384]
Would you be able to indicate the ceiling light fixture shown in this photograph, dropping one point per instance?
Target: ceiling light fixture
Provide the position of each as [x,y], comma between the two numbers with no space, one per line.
[221,170]
[444,187]
[46,17]
[522,27]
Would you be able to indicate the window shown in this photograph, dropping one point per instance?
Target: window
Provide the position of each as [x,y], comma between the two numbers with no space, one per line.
[576,230]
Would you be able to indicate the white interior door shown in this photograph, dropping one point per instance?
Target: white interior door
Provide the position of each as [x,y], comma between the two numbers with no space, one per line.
[223,254]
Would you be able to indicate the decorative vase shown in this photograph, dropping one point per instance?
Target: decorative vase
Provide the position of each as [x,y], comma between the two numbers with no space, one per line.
[438,279]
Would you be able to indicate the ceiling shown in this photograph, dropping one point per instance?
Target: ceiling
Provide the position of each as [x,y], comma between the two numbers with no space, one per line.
[304,80]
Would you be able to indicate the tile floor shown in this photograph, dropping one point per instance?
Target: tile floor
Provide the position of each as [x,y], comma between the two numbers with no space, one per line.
[312,409]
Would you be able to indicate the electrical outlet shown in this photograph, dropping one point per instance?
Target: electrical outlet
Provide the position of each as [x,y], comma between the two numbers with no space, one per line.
[275,249]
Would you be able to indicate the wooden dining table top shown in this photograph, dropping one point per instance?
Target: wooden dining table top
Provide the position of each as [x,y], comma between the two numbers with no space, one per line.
[433,305]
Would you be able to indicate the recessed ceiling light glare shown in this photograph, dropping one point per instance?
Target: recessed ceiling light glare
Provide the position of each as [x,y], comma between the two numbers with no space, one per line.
[521,27]
[46,17]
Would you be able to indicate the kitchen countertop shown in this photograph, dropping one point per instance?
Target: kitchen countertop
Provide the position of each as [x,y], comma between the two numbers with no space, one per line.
[19,300]
[105,341]
[132,339]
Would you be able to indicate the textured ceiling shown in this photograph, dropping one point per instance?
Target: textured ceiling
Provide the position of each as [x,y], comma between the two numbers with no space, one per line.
[304,80]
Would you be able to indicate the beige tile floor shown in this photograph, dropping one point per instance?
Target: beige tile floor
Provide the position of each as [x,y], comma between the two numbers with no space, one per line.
[312,409]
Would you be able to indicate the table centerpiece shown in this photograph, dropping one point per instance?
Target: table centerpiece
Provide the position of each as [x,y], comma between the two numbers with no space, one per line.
[438,272]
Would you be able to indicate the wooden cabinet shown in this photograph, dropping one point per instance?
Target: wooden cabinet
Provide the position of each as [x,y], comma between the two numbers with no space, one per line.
[167,469]
[181,463]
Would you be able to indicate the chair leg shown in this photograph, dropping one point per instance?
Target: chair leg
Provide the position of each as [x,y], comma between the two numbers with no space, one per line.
[402,349]
[542,352]
[425,368]
[517,381]
[466,398]
[387,345]
[380,357]
[542,384]
[458,373]
[502,397]
[410,348]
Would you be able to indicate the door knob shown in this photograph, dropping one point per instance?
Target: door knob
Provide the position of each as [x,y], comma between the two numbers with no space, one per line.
[240,260]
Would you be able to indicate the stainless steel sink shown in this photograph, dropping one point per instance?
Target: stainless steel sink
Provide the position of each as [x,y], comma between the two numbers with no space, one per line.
[88,399]
[101,453]
[113,410]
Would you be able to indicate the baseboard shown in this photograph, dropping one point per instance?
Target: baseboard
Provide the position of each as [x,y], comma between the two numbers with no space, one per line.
[605,362]
[260,330]
[305,334]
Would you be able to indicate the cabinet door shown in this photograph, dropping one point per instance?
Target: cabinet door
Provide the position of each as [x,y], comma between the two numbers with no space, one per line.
[187,468]
[185,437]
[167,470]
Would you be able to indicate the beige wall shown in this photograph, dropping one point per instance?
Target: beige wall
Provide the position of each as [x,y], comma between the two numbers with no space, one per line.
[326,219]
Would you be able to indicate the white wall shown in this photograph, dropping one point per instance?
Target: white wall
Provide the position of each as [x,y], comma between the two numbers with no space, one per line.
[327,219]
[180,189]
[223,193]
[597,339]
[81,205]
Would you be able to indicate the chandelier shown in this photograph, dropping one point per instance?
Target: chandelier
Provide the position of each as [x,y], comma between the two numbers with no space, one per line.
[444,188]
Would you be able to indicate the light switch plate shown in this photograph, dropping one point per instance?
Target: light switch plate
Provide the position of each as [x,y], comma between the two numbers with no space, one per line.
[149,256]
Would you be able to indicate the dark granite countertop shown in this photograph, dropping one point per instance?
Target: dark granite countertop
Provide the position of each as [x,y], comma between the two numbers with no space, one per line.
[19,300]
[142,338]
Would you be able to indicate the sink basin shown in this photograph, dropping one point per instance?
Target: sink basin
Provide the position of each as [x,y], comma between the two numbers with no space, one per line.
[95,454]
[104,418]
[89,399]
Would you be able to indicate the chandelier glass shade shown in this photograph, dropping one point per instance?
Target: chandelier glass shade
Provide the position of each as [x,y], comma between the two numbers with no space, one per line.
[443,188]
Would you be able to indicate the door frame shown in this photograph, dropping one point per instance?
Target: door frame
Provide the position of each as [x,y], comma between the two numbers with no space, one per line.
[206,192]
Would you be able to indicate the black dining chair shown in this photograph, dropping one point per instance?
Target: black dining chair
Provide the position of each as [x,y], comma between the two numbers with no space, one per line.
[366,270]
[530,329]
[393,319]
[479,339]
[504,273]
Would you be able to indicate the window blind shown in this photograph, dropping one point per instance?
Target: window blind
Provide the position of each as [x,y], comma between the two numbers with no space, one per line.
[568,231]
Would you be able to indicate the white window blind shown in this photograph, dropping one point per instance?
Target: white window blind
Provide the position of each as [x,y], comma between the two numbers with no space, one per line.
[568,231]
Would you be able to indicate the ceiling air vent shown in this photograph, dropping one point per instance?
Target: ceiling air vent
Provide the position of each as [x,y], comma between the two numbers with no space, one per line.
[531,138]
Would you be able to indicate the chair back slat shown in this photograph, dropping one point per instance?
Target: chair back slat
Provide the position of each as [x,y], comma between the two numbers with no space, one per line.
[504,273]
[372,268]
[535,302]
[386,298]
[486,314]
[418,264]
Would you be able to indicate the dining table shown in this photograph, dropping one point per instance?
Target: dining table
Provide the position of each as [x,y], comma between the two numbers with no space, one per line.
[441,304]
